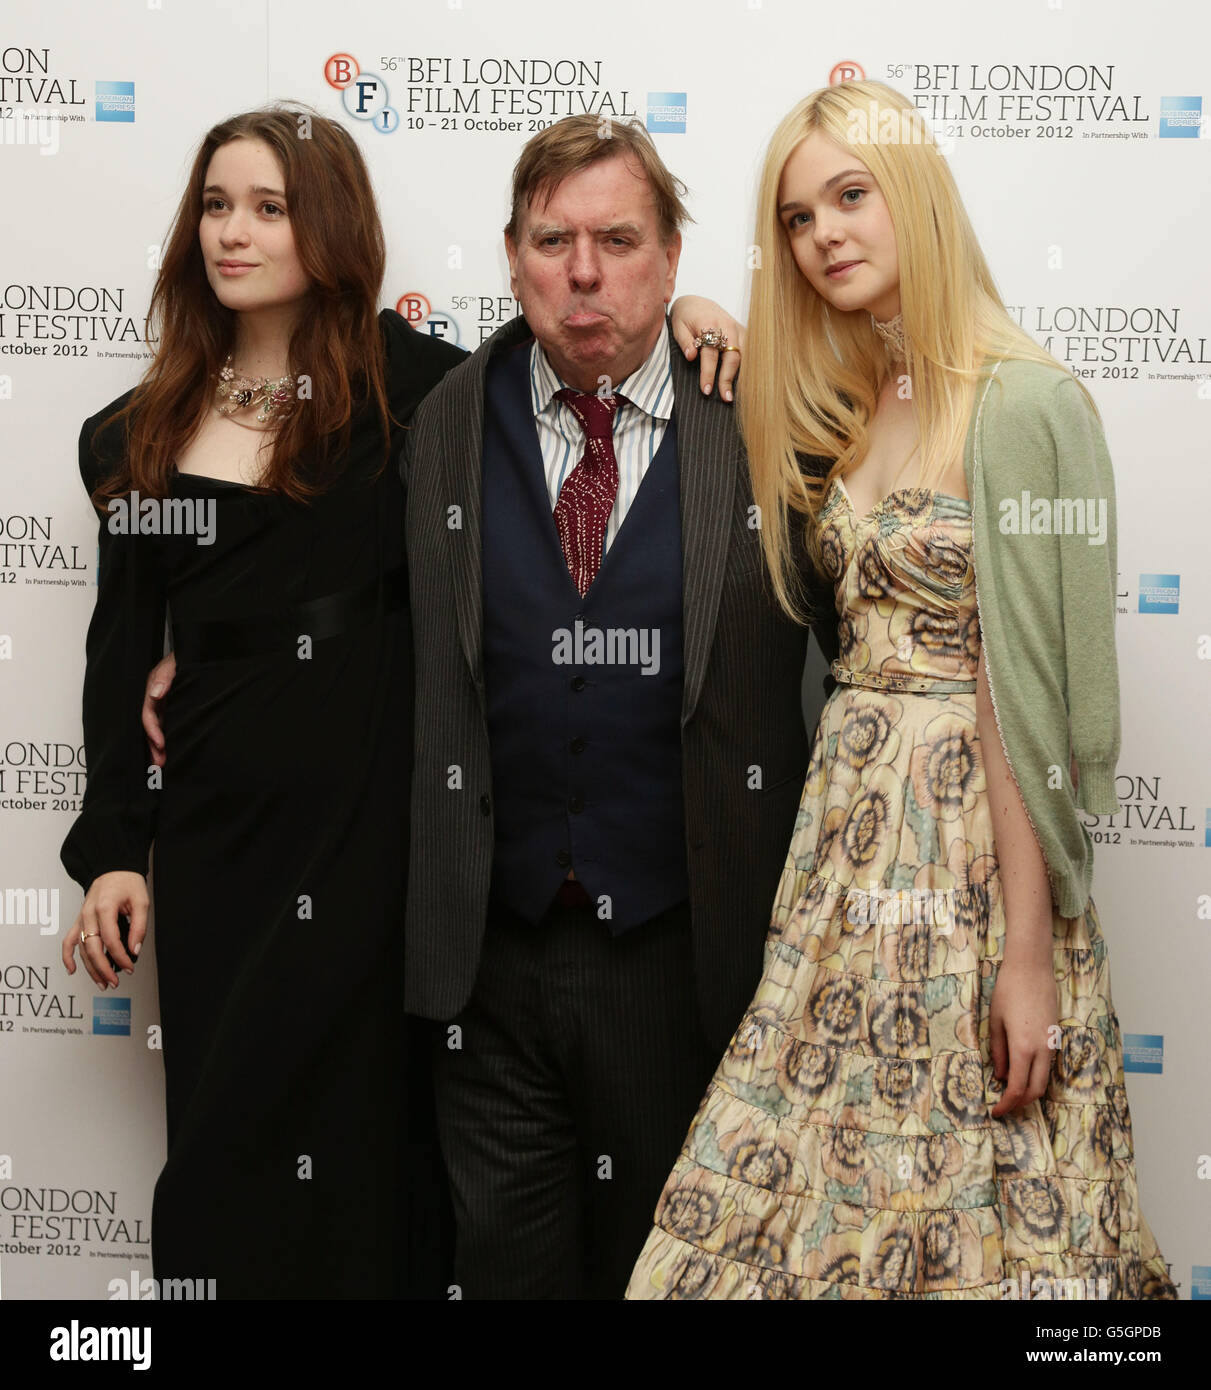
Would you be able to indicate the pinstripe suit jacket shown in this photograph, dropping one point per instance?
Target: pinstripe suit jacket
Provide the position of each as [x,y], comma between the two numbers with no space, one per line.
[741,704]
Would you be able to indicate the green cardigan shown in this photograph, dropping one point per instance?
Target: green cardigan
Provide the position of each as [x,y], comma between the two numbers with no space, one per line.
[1047,603]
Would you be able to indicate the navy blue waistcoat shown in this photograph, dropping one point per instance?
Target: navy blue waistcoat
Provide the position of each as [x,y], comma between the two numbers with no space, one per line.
[584,694]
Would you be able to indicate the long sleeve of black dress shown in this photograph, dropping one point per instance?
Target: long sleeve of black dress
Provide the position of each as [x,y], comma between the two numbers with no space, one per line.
[416,362]
[125,640]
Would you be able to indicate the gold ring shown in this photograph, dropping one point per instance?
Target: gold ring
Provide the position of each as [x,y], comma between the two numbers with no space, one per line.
[727,347]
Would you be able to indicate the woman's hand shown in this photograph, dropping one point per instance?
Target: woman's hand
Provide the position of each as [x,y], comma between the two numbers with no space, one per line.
[96,928]
[693,315]
[1025,1006]
[159,683]
[1023,1012]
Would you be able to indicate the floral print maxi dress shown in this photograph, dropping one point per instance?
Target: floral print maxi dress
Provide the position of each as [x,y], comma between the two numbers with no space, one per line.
[845,1146]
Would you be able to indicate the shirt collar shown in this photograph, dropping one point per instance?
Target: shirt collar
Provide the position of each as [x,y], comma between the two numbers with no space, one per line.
[649,386]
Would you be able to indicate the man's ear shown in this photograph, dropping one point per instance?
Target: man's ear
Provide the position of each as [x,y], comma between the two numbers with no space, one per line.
[511,253]
[673,251]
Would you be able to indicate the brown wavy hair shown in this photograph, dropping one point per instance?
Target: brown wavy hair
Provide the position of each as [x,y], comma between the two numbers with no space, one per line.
[338,236]
[566,147]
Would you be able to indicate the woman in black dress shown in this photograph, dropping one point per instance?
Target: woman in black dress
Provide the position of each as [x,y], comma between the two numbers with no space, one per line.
[301,1162]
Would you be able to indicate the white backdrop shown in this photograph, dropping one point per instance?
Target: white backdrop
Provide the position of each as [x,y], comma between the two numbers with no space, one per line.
[1092,206]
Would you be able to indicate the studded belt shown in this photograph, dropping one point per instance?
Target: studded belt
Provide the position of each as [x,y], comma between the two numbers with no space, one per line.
[897,682]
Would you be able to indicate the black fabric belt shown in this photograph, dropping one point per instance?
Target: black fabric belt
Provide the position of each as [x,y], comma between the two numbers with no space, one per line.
[227,639]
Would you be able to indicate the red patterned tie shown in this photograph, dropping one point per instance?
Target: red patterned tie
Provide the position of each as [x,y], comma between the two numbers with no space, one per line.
[586,498]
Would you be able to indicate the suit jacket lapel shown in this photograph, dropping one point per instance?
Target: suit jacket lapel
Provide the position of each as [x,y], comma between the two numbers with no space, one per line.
[708,453]
[464,423]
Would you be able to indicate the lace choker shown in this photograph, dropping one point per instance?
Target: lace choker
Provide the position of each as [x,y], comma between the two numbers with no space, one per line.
[892,333]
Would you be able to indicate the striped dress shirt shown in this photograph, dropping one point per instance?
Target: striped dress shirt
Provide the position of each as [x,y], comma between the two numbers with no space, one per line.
[639,426]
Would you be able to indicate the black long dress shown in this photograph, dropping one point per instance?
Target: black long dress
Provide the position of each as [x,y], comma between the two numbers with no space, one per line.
[302,1158]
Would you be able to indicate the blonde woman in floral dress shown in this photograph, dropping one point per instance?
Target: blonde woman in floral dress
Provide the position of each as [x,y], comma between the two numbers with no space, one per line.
[925,1098]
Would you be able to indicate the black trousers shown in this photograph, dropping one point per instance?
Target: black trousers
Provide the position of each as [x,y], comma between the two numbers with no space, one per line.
[564,1091]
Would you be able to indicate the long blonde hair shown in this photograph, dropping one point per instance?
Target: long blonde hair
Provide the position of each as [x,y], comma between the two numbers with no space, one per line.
[812,373]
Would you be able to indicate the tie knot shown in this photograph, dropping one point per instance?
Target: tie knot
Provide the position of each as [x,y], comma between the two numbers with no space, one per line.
[595,413]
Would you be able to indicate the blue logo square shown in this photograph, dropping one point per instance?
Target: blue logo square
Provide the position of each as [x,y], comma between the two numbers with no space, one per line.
[1159,593]
[115,101]
[1144,1052]
[1181,117]
[666,113]
[112,1017]
[1200,1281]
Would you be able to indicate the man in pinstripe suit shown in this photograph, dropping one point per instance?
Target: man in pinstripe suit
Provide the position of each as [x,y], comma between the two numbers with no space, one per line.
[610,746]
